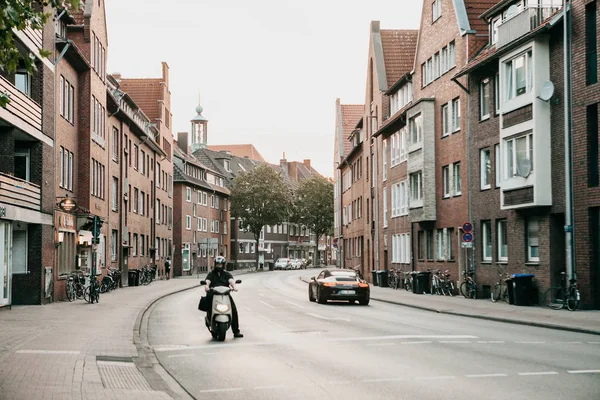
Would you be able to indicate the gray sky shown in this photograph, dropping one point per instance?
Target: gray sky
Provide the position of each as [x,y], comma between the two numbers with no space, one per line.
[268,71]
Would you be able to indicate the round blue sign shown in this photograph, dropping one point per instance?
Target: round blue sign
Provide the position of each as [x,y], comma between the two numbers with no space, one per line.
[467,237]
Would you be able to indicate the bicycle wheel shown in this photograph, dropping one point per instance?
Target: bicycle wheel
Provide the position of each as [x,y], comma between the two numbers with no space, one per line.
[555,298]
[86,294]
[70,291]
[96,294]
[145,280]
[391,281]
[473,291]
[496,293]
[450,288]
[464,290]
[573,299]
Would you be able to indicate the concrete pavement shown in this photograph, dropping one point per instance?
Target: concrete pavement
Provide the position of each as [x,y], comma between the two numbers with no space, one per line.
[575,321]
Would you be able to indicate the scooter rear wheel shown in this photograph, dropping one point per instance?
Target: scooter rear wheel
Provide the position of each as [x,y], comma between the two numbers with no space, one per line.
[222,332]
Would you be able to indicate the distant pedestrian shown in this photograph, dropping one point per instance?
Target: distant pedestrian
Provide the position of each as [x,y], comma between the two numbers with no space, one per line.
[168,267]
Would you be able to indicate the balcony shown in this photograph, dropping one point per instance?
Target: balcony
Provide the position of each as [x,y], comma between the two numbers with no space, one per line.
[523,23]
[19,193]
[22,107]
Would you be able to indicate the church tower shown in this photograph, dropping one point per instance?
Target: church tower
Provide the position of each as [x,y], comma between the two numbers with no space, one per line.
[199,130]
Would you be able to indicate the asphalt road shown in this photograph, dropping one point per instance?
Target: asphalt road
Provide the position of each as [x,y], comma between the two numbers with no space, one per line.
[294,349]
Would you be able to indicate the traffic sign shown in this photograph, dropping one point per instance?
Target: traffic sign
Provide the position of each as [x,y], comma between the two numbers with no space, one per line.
[467,227]
[466,245]
[467,237]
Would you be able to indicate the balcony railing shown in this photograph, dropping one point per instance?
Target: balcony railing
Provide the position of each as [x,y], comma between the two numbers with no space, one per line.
[19,193]
[523,23]
[22,105]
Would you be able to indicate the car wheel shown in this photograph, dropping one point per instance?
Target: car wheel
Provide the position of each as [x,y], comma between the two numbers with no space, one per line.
[364,302]
[310,294]
[320,298]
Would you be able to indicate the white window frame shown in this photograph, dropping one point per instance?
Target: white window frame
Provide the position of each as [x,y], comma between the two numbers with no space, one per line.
[439,240]
[497,96]
[485,165]
[385,208]
[486,240]
[444,60]
[436,10]
[418,176]
[456,115]
[446,181]
[188,194]
[436,66]
[385,148]
[498,166]
[115,190]
[501,232]
[451,55]
[484,103]
[510,77]
[535,241]
[188,222]
[446,120]
[511,152]
[457,181]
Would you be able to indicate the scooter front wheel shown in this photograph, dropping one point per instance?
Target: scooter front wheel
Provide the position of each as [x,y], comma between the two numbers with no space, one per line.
[221,332]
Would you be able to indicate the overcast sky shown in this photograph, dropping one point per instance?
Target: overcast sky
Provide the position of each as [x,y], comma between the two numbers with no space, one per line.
[268,71]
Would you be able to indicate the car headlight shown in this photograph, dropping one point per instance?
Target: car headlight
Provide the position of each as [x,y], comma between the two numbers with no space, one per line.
[223,308]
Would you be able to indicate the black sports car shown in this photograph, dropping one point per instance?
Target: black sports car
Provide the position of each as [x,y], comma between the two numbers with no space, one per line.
[339,284]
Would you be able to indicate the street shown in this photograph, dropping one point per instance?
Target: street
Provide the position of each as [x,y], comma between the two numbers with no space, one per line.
[294,349]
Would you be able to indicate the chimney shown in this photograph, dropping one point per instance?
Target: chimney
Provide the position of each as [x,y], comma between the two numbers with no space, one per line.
[182,141]
[117,76]
[307,163]
[284,165]
[165,73]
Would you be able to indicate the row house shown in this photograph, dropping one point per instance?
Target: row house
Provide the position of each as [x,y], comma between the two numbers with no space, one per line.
[27,196]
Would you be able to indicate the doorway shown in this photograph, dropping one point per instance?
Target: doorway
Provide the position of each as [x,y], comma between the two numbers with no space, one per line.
[5,269]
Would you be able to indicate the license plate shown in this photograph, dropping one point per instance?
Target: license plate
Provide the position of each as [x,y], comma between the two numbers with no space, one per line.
[347,292]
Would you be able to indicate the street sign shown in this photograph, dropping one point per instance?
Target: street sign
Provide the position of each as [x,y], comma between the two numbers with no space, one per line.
[467,227]
[467,237]
[466,245]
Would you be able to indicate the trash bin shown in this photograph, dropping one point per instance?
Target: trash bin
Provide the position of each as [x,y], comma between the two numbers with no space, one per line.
[271,265]
[522,288]
[375,280]
[230,266]
[422,282]
[511,293]
[134,277]
[414,281]
[382,277]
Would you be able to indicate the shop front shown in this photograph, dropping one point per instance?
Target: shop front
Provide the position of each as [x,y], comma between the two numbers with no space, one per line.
[5,267]
[66,252]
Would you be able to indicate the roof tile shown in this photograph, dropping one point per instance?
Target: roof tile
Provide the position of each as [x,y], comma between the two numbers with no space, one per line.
[146,92]
[240,150]
[399,46]
[351,114]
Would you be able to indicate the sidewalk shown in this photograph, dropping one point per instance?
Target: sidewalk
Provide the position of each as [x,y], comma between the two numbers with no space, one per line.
[577,321]
[82,351]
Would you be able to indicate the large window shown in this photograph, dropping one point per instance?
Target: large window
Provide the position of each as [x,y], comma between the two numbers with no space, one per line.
[416,129]
[591,43]
[440,244]
[385,150]
[518,76]
[486,237]
[484,99]
[455,114]
[502,233]
[385,208]
[445,120]
[446,178]
[115,194]
[436,9]
[533,235]
[457,180]
[485,163]
[416,186]
[519,155]
[401,249]
[23,81]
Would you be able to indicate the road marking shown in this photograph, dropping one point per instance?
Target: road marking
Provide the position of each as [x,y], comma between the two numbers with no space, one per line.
[381,344]
[211,346]
[585,371]
[496,341]
[529,342]
[486,375]
[383,380]
[269,387]
[454,341]
[393,337]
[422,342]
[181,355]
[569,343]
[424,378]
[267,304]
[328,319]
[221,390]
[538,373]
[339,382]
[294,304]
[73,352]
[247,308]
[594,342]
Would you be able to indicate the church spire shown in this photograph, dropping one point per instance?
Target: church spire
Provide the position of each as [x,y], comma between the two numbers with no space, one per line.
[199,129]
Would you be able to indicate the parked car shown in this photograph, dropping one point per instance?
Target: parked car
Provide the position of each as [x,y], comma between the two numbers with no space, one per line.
[283,263]
[339,284]
[296,263]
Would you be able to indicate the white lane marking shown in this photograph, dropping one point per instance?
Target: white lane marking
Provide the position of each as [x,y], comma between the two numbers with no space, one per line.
[212,346]
[421,342]
[453,341]
[74,352]
[221,390]
[424,378]
[496,341]
[593,342]
[381,344]
[383,380]
[267,304]
[181,355]
[538,373]
[327,318]
[393,337]
[585,371]
[247,309]
[211,353]
[486,375]
[269,387]
[568,342]
[294,304]
[529,342]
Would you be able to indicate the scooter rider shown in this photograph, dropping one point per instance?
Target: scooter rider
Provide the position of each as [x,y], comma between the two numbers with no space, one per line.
[220,277]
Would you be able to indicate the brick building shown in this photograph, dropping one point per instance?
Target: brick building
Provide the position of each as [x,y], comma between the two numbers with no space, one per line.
[517,202]
[27,198]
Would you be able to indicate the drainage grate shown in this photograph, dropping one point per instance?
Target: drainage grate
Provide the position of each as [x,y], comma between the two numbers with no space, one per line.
[121,373]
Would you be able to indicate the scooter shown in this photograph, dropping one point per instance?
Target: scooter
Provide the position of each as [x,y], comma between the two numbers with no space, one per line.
[221,315]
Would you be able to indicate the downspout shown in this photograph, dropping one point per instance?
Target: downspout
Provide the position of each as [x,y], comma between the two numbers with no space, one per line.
[567,144]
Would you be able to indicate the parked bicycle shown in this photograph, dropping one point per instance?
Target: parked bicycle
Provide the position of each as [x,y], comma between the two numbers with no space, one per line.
[110,281]
[563,296]
[469,287]
[393,279]
[148,273]
[447,284]
[436,282]
[92,292]
[408,281]
[500,290]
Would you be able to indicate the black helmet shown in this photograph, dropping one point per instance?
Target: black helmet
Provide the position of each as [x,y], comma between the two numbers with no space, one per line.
[219,262]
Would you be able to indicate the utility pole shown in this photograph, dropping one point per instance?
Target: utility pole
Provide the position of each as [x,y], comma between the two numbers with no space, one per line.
[567,145]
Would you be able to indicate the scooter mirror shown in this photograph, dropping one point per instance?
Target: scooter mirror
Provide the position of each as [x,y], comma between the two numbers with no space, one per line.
[238,281]
[203,283]
[312,279]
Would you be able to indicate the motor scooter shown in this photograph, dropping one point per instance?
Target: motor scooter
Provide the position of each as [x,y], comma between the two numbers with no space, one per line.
[221,314]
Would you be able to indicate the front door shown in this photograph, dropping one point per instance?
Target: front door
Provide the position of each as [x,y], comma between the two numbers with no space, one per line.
[5,270]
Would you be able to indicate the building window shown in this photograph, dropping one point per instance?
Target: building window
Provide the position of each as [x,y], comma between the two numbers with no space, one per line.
[446,178]
[429,70]
[440,244]
[188,222]
[115,194]
[449,241]
[497,94]
[494,29]
[497,162]
[416,186]
[533,238]
[436,9]
[188,194]
[416,129]
[227,165]
[429,235]
[62,167]
[517,75]
[385,208]
[115,144]
[502,240]
[486,237]
[592,145]
[444,60]
[421,245]
[445,120]
[451,56]
[385,149]
[456,114]
[484,99]
[114,245]
[23,81]
[485,162]
[457,180]
[135,200]
[436,65]
[142,245]
[142,199]
[519,155]
[591,43]
[134,245]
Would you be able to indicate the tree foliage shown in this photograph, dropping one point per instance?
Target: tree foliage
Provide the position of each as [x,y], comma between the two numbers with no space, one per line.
[260,197]
[18,15]
[313,205]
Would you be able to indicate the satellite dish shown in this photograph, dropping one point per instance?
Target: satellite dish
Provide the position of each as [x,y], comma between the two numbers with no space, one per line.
[512,11]
[524,168]
[547,91]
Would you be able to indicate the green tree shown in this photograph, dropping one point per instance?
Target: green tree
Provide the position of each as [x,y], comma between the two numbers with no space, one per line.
[18,15]
[260,197]
[313,206]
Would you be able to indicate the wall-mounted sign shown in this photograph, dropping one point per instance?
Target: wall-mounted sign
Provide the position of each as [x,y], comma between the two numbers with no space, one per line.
[2,212]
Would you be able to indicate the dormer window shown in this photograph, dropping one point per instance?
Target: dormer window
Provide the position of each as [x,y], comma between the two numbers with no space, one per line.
[227,164]
[494,29]
[60,28]
[518,75]
[23,81]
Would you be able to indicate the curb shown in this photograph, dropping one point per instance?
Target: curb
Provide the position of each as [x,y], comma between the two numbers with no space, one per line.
[488,317]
